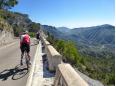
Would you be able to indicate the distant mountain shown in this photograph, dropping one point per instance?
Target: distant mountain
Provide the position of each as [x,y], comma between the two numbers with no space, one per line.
[52,30]
[103,34]
[63,29]
[90,40]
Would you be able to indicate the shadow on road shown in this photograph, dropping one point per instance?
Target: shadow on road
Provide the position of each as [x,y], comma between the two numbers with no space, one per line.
[16,73]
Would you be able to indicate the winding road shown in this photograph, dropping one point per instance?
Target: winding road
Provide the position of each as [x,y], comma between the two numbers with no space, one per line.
[11,74]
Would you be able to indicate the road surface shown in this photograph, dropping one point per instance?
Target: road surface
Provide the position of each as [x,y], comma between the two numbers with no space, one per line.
[9,60]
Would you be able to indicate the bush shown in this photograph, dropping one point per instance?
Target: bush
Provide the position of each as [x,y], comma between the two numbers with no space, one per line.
[66,48]
[32,34]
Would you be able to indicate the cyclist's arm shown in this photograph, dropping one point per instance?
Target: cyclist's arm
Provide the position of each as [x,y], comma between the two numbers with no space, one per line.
[29,40]
[21,40]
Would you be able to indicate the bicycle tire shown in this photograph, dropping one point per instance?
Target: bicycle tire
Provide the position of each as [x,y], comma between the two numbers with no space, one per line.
[19,72]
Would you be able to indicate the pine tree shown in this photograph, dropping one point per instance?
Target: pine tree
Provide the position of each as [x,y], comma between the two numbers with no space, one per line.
[7,4]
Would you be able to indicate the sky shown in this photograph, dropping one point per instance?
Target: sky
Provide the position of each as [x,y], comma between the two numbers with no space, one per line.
[68,13]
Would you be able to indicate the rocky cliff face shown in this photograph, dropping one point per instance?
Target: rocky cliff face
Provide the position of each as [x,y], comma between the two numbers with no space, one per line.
[6,32]
[19,22]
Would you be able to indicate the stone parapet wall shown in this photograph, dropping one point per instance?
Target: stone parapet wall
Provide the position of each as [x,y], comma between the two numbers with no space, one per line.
[67,76]
[65,73]
[54,58]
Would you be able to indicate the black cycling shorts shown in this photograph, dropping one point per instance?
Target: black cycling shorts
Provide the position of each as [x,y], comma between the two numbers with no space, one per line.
[25,47]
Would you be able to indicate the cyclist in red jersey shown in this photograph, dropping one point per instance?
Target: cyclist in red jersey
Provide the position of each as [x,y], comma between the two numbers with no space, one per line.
[25,43]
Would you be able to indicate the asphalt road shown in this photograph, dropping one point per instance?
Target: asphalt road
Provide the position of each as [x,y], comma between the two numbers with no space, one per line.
[11,73]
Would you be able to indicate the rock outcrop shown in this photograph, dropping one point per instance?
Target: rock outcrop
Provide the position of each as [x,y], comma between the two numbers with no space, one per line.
[6,32]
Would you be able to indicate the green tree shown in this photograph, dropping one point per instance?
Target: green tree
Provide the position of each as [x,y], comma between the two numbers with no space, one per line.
[32,34]
[34,27]
[7,4]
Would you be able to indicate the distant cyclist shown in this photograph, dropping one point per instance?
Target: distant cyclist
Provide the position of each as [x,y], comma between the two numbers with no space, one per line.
[25,44]
[38,36]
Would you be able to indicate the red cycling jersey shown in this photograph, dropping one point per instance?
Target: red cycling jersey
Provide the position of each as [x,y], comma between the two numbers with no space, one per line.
[25,39]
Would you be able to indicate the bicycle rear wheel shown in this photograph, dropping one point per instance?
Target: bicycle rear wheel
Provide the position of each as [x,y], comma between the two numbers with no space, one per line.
[20,72]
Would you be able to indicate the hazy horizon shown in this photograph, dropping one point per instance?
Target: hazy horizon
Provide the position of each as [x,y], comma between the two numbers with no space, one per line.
[80,26]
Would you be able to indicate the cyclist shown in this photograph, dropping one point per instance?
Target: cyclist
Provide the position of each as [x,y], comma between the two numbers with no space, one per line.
[38,36]
[25,44]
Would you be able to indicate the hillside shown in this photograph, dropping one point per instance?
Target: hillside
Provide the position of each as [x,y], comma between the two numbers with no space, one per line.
[6,32]
[93,41]
[4,25]
[20,22]
[64,29]
[96,58]
[103,34]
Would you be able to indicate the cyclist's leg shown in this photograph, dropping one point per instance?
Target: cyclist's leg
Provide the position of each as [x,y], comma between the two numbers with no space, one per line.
[22,54]
[21,62]
[28,53]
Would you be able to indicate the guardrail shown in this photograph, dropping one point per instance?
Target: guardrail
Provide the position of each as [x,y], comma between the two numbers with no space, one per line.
[65,73]
[54,58]
[67,76]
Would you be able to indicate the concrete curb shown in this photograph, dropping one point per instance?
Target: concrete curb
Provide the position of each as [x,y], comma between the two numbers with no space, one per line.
[32,69]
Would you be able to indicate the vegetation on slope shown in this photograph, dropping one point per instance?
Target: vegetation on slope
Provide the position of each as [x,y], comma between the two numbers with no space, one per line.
[4,25]
[19,22]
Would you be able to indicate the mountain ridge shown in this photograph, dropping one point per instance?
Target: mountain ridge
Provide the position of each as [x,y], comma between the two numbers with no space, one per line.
[88,39]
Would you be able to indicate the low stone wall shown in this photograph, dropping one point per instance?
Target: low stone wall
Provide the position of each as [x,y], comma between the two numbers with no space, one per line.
[67,76]
[65,73]
[54,58]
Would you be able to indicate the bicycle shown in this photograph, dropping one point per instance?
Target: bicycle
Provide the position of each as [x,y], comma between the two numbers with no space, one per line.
[19,72]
